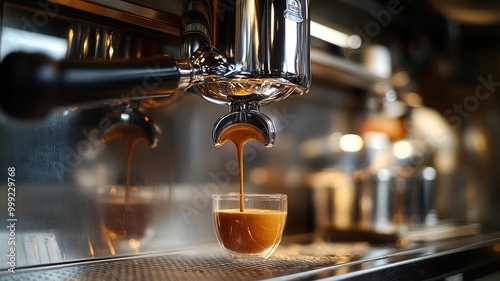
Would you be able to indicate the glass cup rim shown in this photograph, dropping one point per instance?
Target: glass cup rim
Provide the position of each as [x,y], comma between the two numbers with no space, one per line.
[236,195]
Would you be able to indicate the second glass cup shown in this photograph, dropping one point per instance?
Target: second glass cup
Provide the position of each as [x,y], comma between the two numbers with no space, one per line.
[249,229]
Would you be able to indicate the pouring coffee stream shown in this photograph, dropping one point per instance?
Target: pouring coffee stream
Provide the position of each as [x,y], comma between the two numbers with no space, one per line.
[239,134]
[245,122]
[125,207]
[125,215]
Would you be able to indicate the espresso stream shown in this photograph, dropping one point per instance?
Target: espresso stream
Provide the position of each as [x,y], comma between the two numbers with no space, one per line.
[126,217]
[240,134]
[252,231]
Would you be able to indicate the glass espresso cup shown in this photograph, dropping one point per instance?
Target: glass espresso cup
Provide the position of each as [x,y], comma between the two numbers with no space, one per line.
[251,229]
[127,221]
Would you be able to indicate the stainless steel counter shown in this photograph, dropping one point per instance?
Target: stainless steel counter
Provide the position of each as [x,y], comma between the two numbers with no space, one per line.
[466,258]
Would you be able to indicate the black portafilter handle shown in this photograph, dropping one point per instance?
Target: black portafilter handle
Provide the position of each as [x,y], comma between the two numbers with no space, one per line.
[33,84]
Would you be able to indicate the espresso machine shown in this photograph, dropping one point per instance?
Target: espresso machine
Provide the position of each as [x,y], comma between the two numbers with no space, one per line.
[118,68]
[110,119]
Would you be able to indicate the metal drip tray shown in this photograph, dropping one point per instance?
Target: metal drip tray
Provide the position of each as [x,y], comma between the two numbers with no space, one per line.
[467,257]
[203,264]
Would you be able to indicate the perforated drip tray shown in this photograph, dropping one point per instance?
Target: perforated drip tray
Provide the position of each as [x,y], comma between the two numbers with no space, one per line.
[470,257]
[208,263]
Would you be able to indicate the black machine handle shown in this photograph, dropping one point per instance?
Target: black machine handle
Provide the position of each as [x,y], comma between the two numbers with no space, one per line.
[33,84]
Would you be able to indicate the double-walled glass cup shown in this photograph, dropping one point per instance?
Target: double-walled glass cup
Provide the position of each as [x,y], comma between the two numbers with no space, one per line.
[128,216]
[249,229]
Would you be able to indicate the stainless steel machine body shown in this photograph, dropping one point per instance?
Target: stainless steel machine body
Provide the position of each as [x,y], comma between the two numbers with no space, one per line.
[242,53]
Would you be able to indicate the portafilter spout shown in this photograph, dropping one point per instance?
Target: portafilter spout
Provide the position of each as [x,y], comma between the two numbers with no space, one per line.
[245,113]
[130,122]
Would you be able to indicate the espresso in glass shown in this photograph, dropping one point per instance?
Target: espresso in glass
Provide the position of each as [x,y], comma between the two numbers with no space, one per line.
[255,232]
